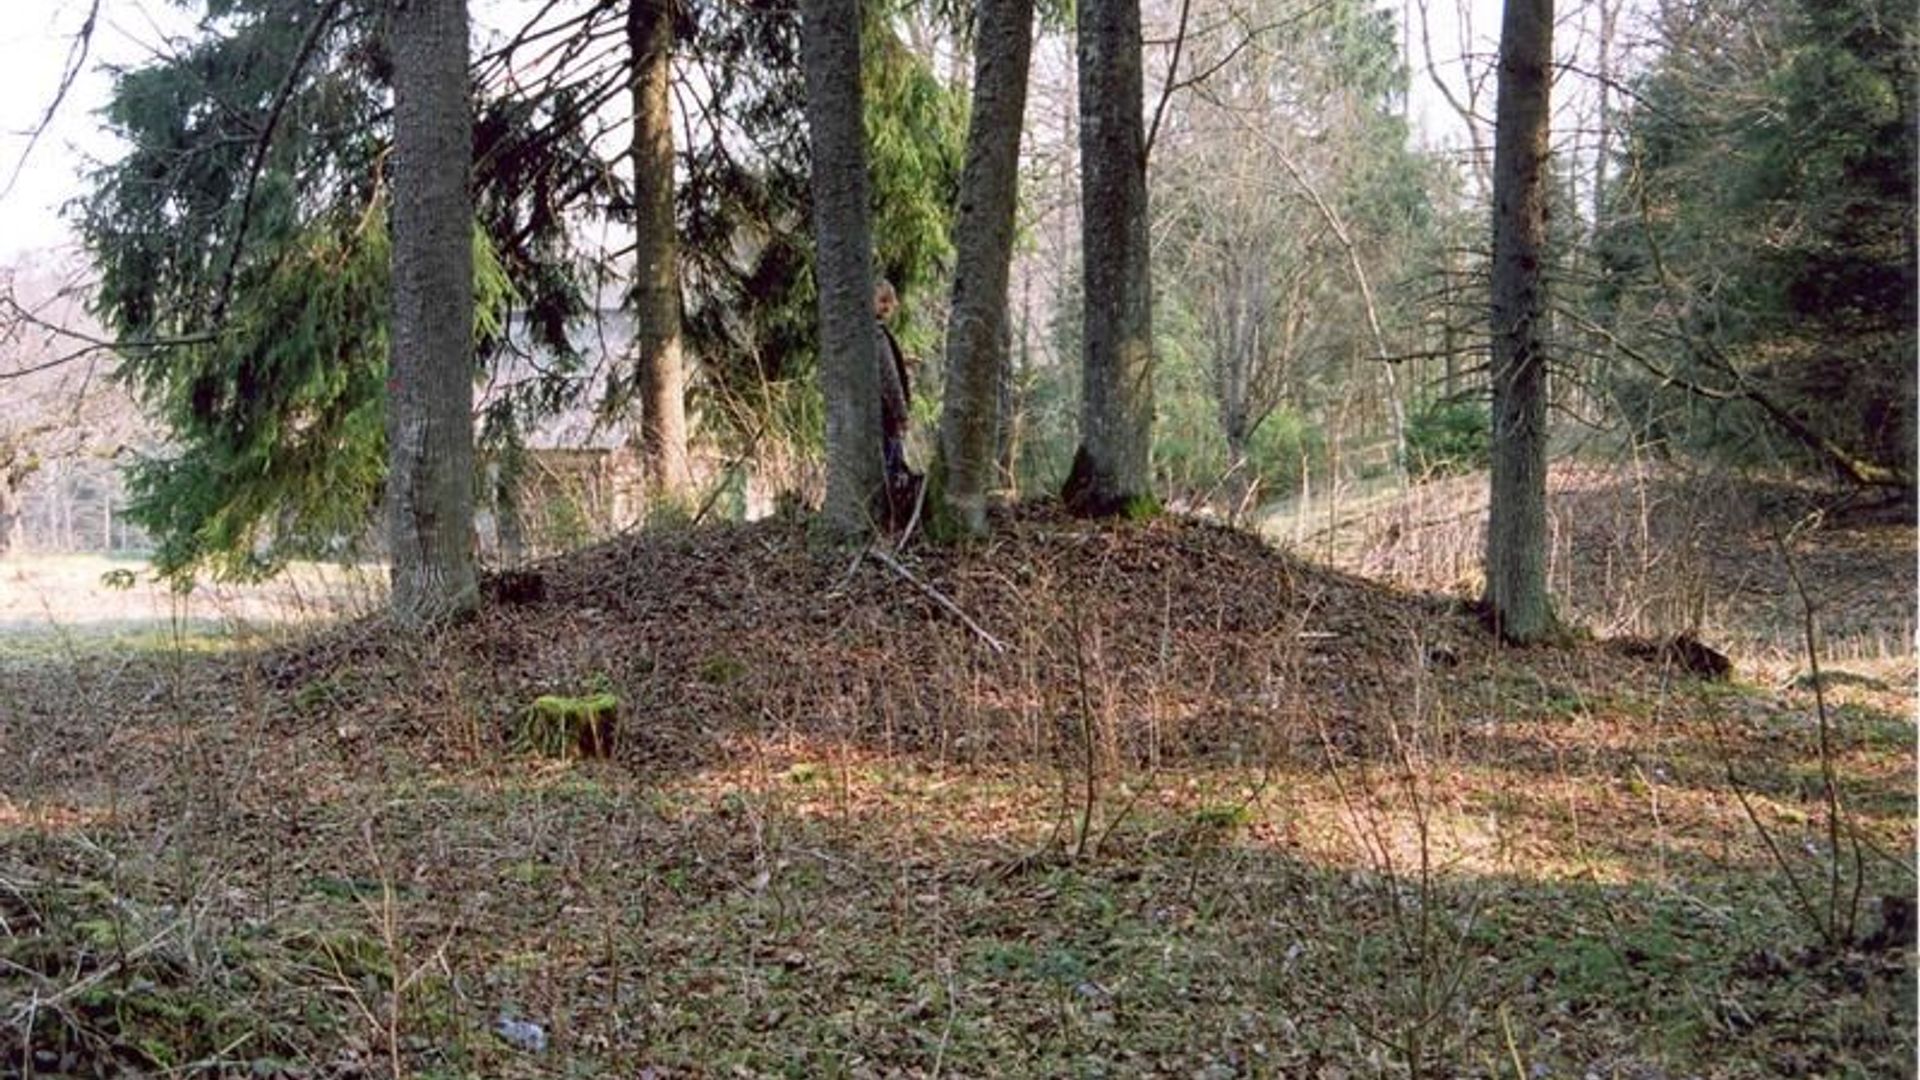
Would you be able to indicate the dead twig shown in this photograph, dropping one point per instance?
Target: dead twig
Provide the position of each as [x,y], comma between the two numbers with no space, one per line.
[1840,931]
[937,597]
[913,519]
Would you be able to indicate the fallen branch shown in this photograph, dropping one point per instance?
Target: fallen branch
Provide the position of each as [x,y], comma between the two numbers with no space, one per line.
[913,519]
[937,597]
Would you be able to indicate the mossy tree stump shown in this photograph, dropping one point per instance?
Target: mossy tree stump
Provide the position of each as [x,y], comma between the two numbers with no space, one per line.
[558,726]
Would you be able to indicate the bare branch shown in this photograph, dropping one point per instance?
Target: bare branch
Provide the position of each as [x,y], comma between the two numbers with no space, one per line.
[1371,308]
[1167,88]
[1860,470]
[76,61]
[13,313]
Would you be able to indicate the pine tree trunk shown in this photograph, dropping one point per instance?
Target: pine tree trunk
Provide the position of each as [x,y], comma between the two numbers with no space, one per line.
[977,337]
[659,366]
[843,262]
[1516,597]
[430,376]
[1112,469]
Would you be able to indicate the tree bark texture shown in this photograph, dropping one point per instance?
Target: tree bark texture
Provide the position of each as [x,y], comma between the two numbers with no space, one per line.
[1113,466]
[977,338]
[659,365]
[430,376]
[1516,596]
[843,262]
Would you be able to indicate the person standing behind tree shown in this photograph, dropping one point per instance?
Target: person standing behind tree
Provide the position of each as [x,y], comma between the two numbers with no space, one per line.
[896,387]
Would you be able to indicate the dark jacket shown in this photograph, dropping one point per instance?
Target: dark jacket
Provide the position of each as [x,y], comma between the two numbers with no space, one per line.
[896,390]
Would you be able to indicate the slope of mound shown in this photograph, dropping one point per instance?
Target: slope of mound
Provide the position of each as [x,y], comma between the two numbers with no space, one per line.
[1160,637]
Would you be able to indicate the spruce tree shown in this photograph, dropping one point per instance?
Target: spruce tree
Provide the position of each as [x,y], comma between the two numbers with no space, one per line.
[429,483]
[1516,564]
[1112,470]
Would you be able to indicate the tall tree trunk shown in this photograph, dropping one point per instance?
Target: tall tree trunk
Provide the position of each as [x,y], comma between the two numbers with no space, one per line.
[17,463]
[13,532]
[430,375]
[843,262]
[659,367]
[1516,597]
[983,244]
[1113,466]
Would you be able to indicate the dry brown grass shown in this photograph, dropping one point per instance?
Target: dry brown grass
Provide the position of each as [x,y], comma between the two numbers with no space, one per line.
[1649,551]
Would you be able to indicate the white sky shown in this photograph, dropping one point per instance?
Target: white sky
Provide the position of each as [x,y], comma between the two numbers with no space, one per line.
[34,43]
[36,37]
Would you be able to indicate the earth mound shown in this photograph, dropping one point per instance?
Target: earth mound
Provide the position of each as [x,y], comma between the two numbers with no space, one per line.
[1154,639]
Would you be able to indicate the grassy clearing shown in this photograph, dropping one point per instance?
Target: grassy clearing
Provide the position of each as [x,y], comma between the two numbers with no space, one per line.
[1649,550]
[87,597]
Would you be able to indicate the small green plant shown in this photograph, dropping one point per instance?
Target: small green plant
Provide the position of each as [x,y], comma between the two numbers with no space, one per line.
[1142,508]
[1223,817]
[721,669]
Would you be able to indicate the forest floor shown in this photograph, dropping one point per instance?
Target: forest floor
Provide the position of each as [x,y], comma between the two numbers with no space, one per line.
[1080,800]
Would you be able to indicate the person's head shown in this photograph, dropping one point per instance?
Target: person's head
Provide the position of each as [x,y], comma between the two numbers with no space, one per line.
[885,300]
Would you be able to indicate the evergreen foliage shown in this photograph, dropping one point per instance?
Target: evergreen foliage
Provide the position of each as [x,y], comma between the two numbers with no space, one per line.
[242,245]
[1762,245]
[1448,438]
[278,419]
[262,290]
[745,203]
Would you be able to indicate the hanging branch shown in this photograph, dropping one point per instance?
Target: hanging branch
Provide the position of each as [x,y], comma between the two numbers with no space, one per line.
[322,22]
[1859,470]
[1166,91]
[13,313]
